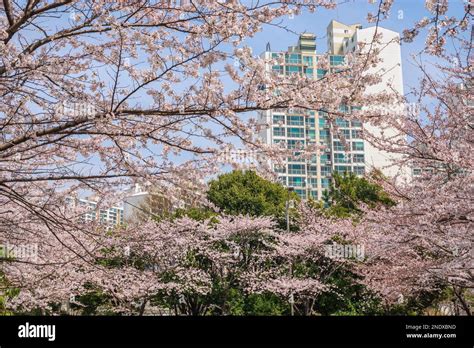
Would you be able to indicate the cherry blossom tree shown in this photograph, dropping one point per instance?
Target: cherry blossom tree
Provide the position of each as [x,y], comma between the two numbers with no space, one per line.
[425,241]
[176,261]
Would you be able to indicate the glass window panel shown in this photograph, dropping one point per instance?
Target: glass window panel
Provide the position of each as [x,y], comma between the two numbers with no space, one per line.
[278,119]
[342,169]
[358,146]
[336,60]
[295,132]
[279,131]
[338,146]
[325,182]
[308,60]
[325,157]
[278,69]
[293,69]
[295,181]
[295,120]
[320,73]
[295,144]
[325,170]
[356,134]
[296,169]
[311,133]
[342,123]
[358,158]
[341,158]
[324,134]
[280,169]
[293,58]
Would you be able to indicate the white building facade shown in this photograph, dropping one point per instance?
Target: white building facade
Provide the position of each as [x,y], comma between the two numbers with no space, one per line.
[310,177]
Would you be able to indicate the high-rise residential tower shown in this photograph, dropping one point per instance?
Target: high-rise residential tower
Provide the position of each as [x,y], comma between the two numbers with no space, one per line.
[310,177]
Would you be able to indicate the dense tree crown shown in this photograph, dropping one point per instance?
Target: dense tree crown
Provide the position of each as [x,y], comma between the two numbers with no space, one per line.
[246,193]
[347,191]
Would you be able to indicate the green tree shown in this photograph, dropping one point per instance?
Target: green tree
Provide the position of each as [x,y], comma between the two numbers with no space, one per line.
[245,192]
[347,191]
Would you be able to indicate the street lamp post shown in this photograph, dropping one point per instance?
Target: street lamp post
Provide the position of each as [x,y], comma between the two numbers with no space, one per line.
[288,201]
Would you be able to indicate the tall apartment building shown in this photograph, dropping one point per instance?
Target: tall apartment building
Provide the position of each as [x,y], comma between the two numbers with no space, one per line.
[111,216]
[310,177]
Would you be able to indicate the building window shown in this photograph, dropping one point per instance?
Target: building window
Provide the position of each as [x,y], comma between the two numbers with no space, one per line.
[323,122]
[296,158]
[325,182]
[338,146]
[320,73]
[311,134]
[278,119]
[278,69]
[356,124]
[312,170]
[279,169]
[279,131]
[336,60]
[309,72]
[311,121]
[325,158]
[295,144]
[296,169]
[343,133]
[293,69]
[301,193]
[307,60]
[295,181]
[341,158]
[295,132]
[358,146]
[342,123]
[359,170]
[356,134]
[358,158]
[324,134]
[325,171]
[344,109]
[293,58]
[295,120]
[342,169]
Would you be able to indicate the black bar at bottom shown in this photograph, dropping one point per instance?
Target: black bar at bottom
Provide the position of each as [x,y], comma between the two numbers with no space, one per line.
[426,331]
